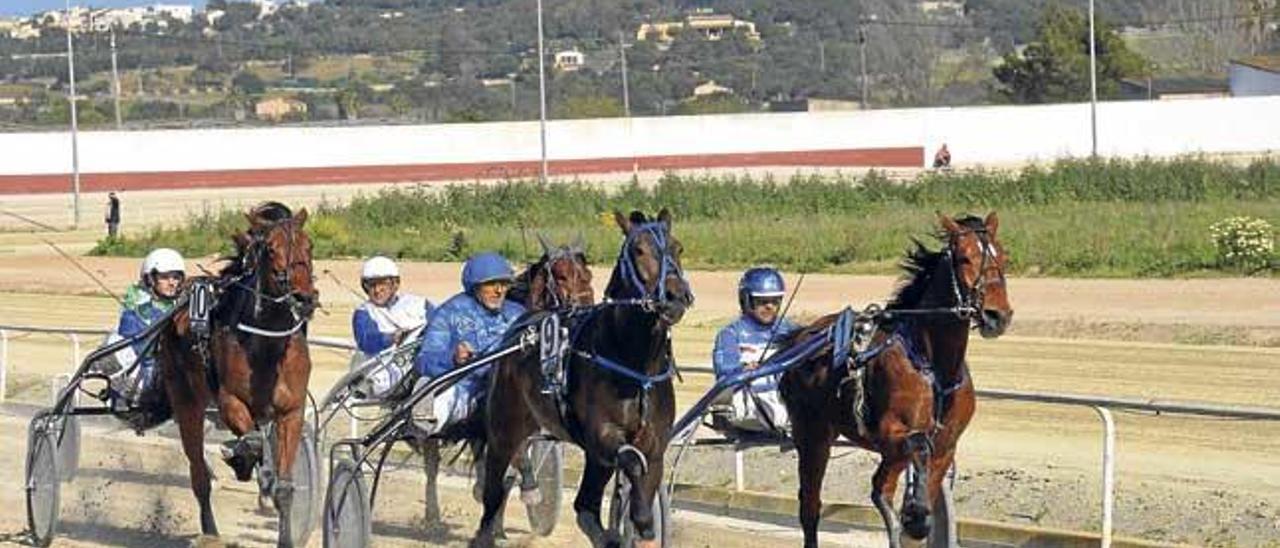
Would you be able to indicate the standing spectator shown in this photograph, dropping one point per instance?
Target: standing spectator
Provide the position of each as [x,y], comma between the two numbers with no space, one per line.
[113,215]
[942,160]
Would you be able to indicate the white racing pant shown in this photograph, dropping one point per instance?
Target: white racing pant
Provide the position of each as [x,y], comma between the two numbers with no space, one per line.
[379,379]
[755,414]
[447,408]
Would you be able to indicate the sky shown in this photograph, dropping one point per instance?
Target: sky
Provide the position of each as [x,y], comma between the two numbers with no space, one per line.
[28,7]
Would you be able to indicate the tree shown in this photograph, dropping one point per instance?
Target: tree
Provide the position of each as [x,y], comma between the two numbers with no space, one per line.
[719,103]
[589,106]
[1055,66]
[248,83]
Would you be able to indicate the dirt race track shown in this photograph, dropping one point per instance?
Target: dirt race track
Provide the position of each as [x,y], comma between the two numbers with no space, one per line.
[1179,479]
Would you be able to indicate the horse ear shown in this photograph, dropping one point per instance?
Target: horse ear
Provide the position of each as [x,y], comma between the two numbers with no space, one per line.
[993,223]
[241,240]
[623,222]
[301,217]
[546,247]
[637,217]
[948,224]
[664,217]
[253,219]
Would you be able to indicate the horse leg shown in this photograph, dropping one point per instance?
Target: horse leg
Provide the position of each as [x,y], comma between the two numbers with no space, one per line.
[587,503]
[288,436]
[813,440]
[498,453]
[529,494]
[883,484]
[944,527]
[190,420]
[236,415]
[645,474]
[430,449]
[916,516]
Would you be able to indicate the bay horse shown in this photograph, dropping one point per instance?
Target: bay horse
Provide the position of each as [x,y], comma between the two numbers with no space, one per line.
[559,279]
[909,396]
[617,402]
[252,359]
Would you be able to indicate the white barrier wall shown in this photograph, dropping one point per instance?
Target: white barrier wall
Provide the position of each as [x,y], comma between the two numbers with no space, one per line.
[975,135]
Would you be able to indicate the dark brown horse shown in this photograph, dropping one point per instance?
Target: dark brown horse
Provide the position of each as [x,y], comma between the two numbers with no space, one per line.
[617,402]
[909,395]
[559,279]
[252,360]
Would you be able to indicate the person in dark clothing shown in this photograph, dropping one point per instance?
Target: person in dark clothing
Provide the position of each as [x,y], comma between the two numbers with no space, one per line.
[942,160]
[113,215]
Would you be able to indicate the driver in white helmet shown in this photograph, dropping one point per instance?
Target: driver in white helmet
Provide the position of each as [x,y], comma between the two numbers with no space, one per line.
[385,318]
[146,302]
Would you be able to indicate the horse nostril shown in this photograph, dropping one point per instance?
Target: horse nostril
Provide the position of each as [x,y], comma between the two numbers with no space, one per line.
[995,318]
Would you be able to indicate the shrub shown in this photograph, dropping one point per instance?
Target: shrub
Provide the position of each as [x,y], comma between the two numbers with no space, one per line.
[1243,242]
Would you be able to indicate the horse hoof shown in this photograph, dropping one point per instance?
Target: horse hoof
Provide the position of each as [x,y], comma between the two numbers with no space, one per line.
[483,540]
[916,525]
[590,526]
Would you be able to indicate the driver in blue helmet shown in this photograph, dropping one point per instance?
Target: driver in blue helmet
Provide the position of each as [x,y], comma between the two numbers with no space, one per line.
[464,327]
[743,344]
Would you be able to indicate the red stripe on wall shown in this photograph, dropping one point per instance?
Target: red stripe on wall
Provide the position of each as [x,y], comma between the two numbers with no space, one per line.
[100,182]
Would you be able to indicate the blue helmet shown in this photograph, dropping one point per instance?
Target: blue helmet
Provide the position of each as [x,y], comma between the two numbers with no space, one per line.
[759,282]
[485,267]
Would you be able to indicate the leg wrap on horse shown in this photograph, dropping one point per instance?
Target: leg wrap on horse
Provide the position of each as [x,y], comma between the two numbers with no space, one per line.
[632,460]
[916,518]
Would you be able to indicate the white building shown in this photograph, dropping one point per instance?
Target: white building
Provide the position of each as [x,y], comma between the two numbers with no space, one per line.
[570,60]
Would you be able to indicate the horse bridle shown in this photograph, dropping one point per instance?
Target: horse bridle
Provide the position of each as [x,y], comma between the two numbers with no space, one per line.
[630,271]
[553,287]
[969,301]
[256,257]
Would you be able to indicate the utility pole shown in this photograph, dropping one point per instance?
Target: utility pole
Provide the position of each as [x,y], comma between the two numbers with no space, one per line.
[1093,83]
[626,92]
[862,52]
[511,82]
[75,130]
[115,80]
[542,95]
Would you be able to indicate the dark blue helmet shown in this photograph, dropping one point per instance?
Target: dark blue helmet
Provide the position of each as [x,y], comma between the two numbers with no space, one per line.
[759,282]
[485,267]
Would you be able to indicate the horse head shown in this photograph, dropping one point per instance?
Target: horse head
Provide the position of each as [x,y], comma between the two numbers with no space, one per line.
[978,263]
[278,253]
[648,267]
[561,278]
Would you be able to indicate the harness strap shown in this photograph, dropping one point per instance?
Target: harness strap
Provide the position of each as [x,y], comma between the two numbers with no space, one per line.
[646,382]
[269,333]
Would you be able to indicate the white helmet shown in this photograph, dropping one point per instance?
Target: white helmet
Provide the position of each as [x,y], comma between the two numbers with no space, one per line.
[379,267]
[163,260]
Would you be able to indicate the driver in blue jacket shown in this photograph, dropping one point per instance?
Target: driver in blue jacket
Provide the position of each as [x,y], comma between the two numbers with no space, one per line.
[743,344]
[462,328]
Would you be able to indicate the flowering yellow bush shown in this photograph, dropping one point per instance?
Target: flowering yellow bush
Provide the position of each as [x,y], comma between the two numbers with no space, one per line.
[1244,242]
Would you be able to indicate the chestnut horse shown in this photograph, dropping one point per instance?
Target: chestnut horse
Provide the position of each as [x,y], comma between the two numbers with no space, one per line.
[909,395]
[250,357]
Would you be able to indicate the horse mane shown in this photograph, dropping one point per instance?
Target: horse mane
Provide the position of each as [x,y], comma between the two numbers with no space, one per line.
[919,265]
[271,212]
[268,213]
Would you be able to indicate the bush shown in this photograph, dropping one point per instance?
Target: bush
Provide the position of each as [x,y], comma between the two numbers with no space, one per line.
[1243,242]
[1141,218]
